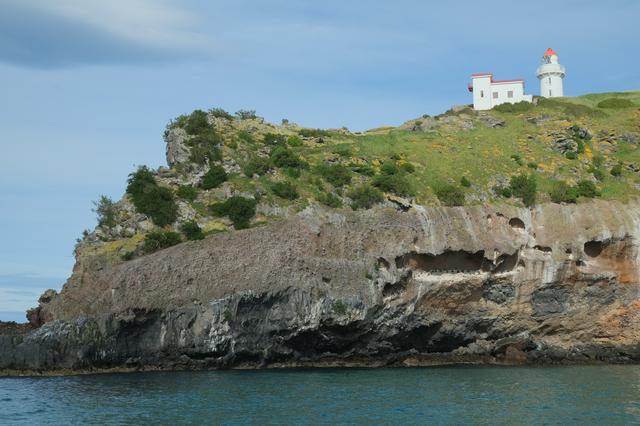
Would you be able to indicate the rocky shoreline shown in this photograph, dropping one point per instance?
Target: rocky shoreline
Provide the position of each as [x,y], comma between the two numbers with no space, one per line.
[412,287]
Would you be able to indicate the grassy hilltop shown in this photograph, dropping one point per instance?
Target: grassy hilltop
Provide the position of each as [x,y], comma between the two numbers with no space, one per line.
[239,171]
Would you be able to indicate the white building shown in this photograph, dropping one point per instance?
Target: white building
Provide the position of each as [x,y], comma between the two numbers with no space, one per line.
[488,92]
[551,75]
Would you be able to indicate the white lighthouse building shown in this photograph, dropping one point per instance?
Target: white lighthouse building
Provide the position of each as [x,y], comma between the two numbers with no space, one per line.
[551,75]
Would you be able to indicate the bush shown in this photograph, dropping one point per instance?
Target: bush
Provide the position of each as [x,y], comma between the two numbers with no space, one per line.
[106,211]
[517,159]
[313,133]
[294,141]
[615,103]
[336,174]
[257,166]
[561,192]
[396,184]
[292,173]
[364,197]
[156,240]
[244,114]
[503,191]
[192,230]
[587,189]
[365,170]
[522,106]
[148,198]
[285,190]
[571,155]
[284,157]
[576,110]
[187,192]
[597,173]
[239,209]
[524,187]
[274,139]
[450,195]
[616,170]
[196,123]
[214,177]
[597,161]
[464,181]
[220,113]
[389,168]
[344,150]
[407,167]
[204,147]
[331,200]
[532,165]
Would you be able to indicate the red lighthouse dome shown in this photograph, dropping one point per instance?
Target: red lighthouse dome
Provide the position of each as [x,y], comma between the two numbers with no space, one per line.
[550,52]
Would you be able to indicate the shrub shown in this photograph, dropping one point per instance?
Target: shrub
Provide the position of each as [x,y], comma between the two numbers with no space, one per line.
[517,159]
[344,150]
[220,113]
[336,174]
[285,190]
[587,189]
[257,166]
[364,197]
[532,165]
[571,155]
[239,209]
[503,191]
[274,139]
[464,181]
[313,133]
[245,136]
[522,106]
[616,170]
[597,173]
[204,147]
[450,195]
[407,168]
[196,122]
[192,230]
[148,198]
[389,168]
[615,103]
[598,161]
[396,184]
[187,192]
[214,177]
[291,172]
[106,211]
[329,199]
[156,240]
[365,170]
[294,141]
[561,192]
[284,157]
[524,187]
[244,114]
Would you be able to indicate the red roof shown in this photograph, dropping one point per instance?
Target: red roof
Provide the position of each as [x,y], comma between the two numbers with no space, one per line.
[507,81]
[550,52]
[481,74]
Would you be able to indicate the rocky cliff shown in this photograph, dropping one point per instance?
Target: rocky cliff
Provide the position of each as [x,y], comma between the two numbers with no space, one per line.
[410,285]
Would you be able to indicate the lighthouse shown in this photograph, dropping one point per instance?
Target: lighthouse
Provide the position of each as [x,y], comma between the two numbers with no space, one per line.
[551,75]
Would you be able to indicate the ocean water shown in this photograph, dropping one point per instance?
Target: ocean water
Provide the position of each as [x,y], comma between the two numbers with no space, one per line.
[598,395]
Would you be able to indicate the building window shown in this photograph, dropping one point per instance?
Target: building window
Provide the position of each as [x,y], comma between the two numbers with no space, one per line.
[482,93]
[495,95]
[510,94]
[549,92]
[549,80]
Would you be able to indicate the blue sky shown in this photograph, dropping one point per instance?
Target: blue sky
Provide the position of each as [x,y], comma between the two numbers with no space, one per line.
[86,87]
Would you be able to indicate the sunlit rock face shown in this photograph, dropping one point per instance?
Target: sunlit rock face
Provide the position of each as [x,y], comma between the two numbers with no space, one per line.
[415,286]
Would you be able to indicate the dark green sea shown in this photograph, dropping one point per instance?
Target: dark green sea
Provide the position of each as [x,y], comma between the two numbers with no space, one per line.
[595,395]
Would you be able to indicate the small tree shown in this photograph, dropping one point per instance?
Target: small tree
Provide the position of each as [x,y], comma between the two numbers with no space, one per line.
[151,199]
[192,230]
[285,190]
[214,177]
[364,197]
[106,211]
[239,209]
[450,195]
[524,187]
[561,192]
[245,114]
[156,240]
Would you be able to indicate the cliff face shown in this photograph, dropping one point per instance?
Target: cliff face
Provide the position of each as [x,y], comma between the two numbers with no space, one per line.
[413,286]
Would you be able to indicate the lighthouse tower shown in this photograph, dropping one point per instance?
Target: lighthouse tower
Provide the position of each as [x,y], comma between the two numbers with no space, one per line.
[550,74]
